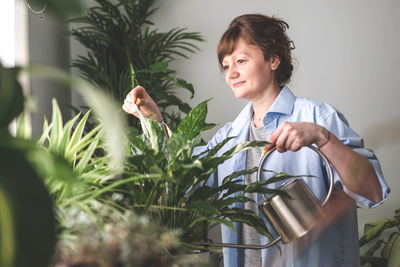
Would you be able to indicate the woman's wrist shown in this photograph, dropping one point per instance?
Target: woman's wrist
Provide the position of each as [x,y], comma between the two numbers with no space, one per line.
[325,137]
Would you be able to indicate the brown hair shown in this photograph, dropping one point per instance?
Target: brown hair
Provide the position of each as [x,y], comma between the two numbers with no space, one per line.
[268,33]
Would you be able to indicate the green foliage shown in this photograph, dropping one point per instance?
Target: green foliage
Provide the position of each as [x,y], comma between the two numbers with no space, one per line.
[11,99]
[383,241]
[170,184]
[105,109]
[26,214]
[64,158]
[77,170]
[30,210]
[117,35]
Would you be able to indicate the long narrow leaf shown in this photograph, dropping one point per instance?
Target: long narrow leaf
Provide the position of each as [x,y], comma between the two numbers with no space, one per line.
[77,134]
[57,123]
[87,155]
[66,134]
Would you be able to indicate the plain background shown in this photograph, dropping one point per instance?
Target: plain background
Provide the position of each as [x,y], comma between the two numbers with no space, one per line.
[346,55]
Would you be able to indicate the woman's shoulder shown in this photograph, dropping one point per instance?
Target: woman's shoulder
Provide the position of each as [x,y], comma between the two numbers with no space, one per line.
[307,109]
[313,107]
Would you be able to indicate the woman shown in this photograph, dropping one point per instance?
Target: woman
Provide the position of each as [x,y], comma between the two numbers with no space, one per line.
[255,54]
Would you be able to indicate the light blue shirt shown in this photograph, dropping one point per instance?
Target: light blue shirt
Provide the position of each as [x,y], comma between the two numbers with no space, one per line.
[338,244]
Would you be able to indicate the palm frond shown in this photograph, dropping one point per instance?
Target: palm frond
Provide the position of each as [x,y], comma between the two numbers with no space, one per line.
[116,36]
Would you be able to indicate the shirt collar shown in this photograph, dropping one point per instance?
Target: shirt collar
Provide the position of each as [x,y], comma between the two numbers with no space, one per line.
[284,104]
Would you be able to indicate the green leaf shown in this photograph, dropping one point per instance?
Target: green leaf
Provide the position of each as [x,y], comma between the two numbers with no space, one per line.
[250,218]
[57,126]
[181,83]
[215,149]
[237,174]
[11,97]
[45,133]
[225,202]
[241,147]
[374,229]
[77,134]
[372,249]
[23,129]
[203,207]
[201,193]
[194,123]
[32,209]
[87,155]
[178,146]
[391,251]
[66,135]
[7,231]
[107,110]
[83,142]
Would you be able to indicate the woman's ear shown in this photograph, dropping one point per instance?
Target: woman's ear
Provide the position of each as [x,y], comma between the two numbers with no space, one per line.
[275,61]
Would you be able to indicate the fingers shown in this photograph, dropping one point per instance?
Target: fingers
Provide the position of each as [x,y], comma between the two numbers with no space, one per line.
[279,137]
[289,136]
[135,96]
[139,97]
[267,148]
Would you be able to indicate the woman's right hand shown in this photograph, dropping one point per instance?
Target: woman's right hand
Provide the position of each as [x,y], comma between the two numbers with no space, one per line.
[144,102]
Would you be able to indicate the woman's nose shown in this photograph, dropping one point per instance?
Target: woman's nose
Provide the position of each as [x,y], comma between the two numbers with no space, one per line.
[232,72]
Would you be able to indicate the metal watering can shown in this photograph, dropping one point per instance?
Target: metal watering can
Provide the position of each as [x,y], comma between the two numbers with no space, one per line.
[293,217]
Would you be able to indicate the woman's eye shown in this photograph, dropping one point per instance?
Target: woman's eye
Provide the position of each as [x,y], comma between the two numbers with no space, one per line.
[225,67]
[240,61]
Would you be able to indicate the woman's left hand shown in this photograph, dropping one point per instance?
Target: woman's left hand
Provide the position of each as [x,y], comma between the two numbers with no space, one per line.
[355,171]
[294,135]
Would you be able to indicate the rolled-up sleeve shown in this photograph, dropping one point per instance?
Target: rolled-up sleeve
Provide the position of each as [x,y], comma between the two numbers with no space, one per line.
[338,125]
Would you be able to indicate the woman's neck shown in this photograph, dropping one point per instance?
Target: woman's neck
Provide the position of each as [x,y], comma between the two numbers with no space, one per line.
[263,104]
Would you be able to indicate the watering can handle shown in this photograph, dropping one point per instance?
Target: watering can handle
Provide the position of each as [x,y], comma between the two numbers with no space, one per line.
[263,159]
[328,166]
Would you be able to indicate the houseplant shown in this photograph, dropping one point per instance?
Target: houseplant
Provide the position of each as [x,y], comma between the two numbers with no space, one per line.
[161,178]
[382,242]
[169,183]
[117,35]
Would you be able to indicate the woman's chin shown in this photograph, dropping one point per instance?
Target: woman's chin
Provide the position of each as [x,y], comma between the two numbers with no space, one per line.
[239,94]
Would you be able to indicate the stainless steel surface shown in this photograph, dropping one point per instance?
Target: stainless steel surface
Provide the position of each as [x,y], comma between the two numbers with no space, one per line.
[293,218]
[296,216]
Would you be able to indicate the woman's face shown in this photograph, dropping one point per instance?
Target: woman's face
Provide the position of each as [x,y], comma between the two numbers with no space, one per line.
[247,72]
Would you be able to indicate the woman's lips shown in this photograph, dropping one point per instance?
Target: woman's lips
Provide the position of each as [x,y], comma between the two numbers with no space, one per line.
[237,84]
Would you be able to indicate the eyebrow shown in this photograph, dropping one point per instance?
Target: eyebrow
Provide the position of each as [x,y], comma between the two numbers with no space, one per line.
[242,53]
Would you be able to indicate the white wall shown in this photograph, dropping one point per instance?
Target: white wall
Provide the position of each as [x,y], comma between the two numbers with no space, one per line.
[7,29]
[346,55]
[49,46]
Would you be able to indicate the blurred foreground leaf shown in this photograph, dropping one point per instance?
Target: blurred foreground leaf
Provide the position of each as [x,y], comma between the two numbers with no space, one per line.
[107,110]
